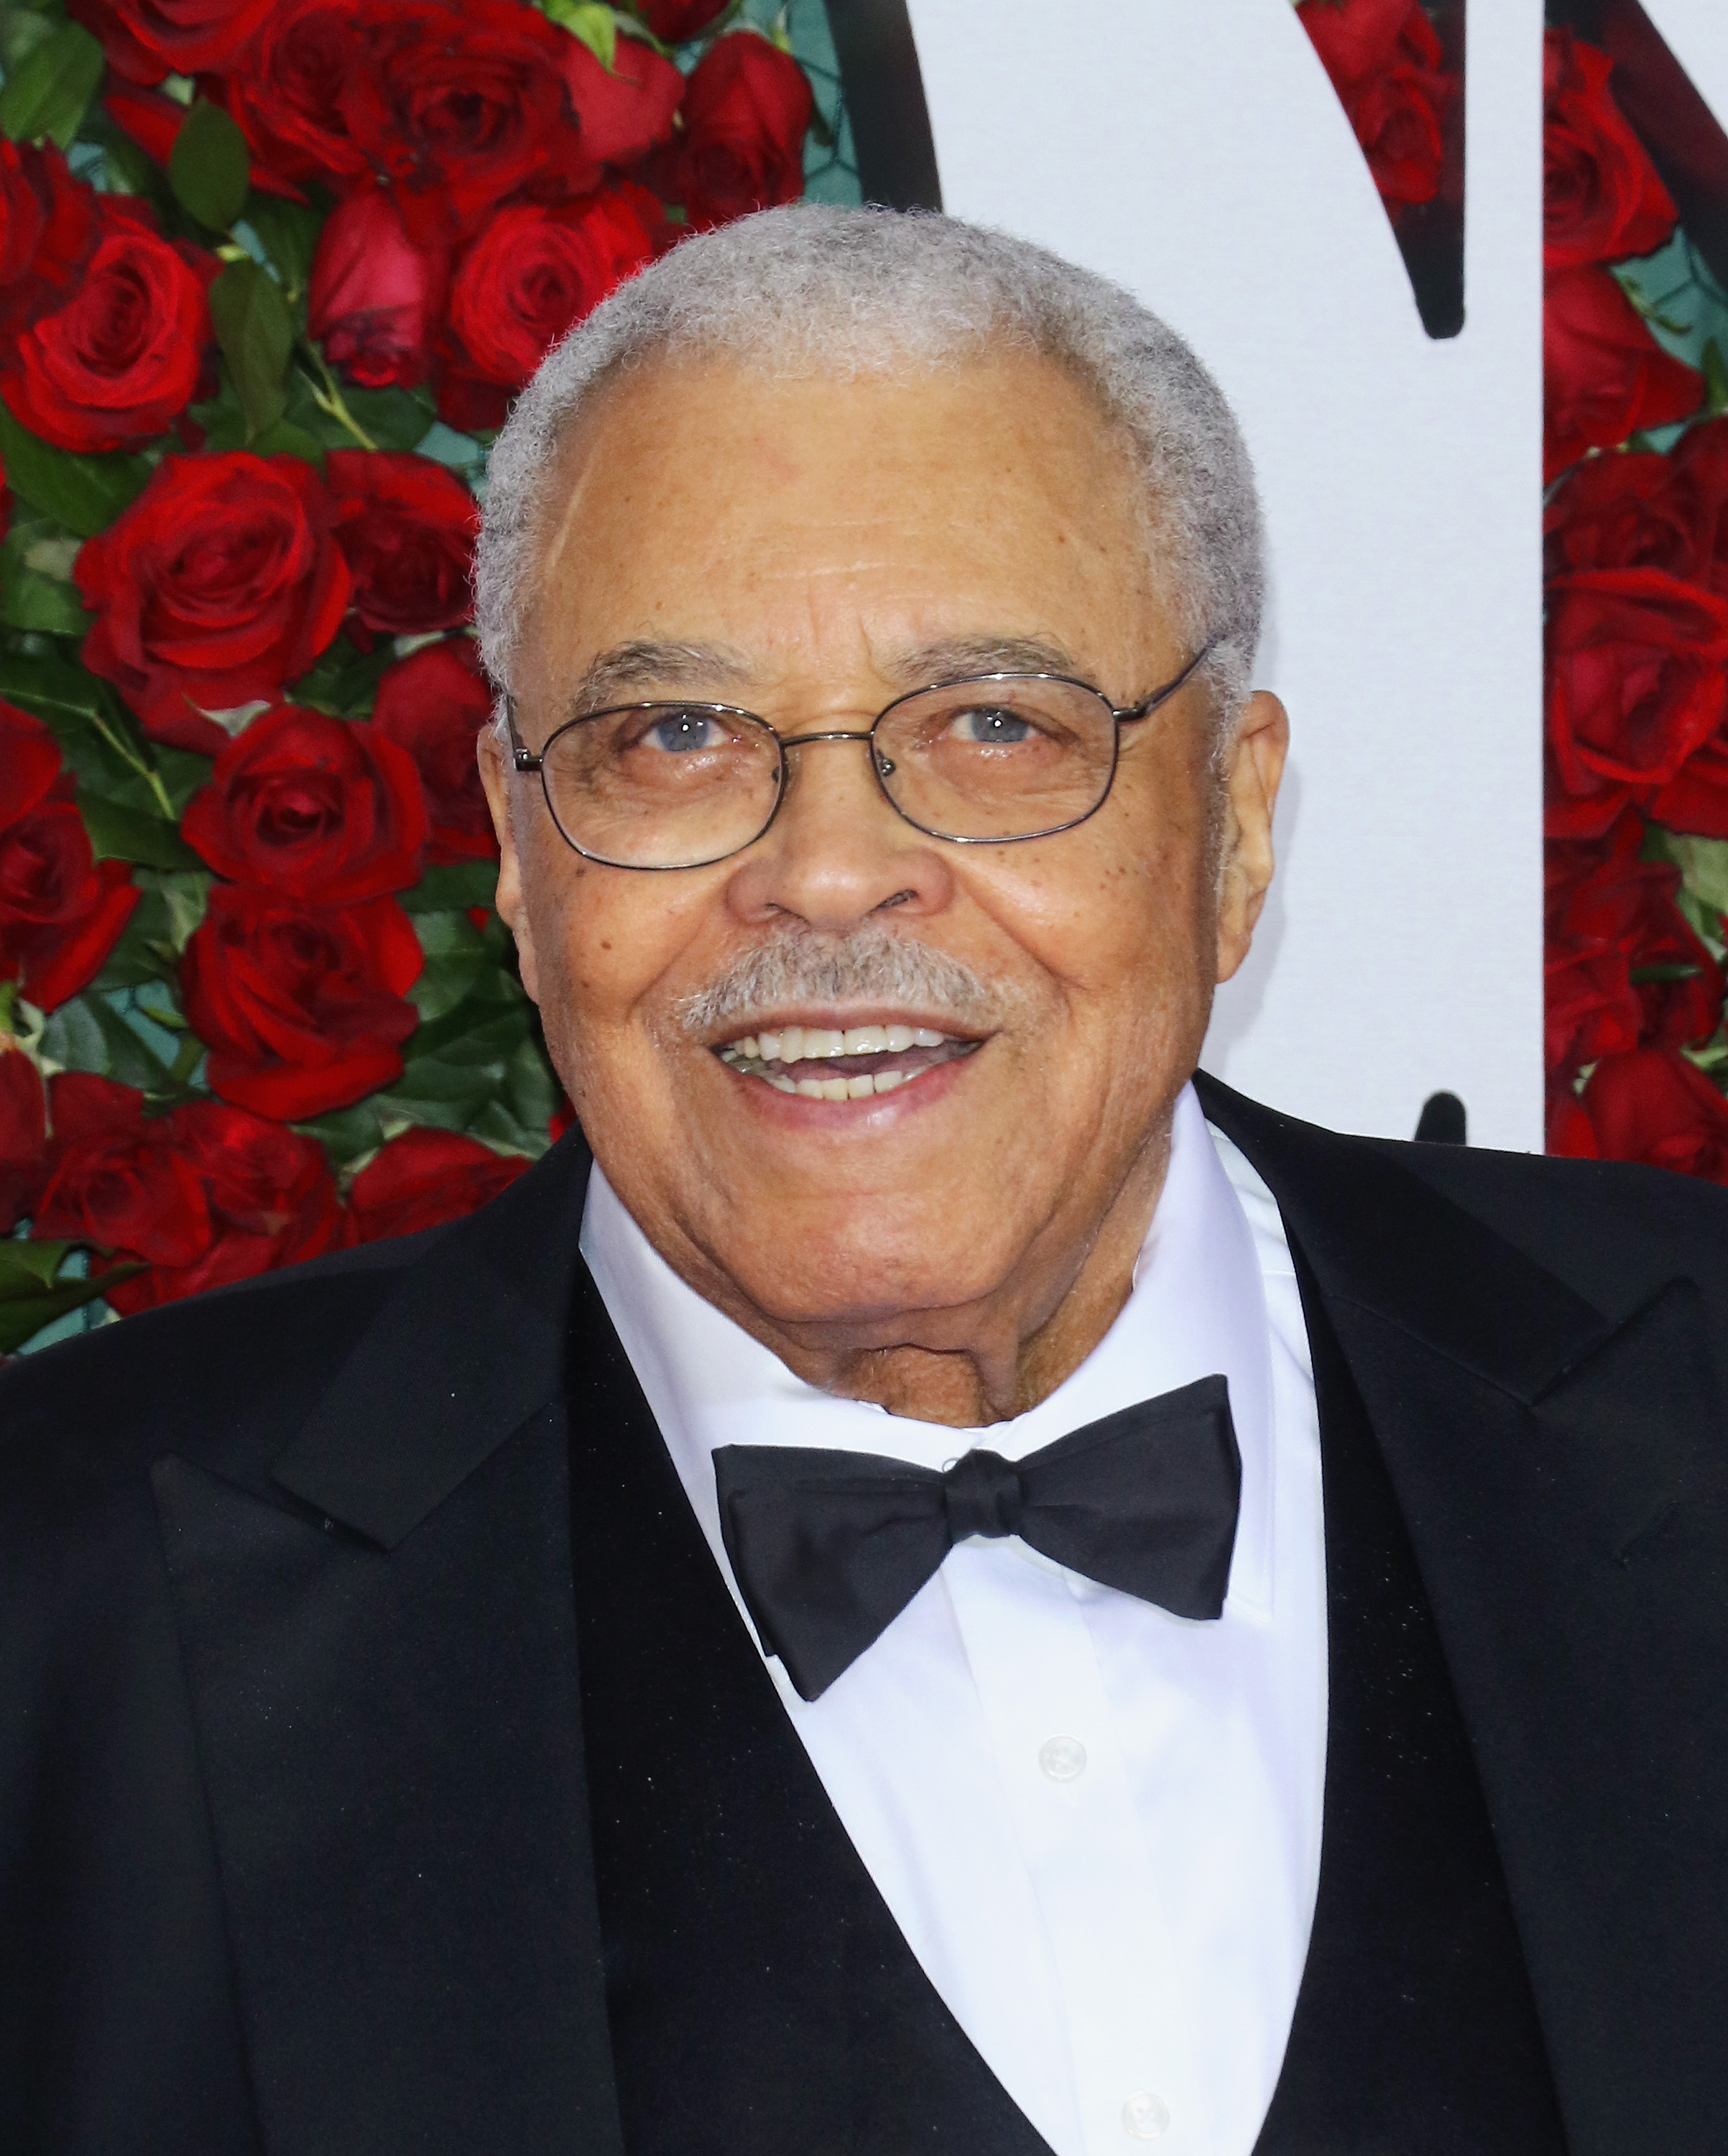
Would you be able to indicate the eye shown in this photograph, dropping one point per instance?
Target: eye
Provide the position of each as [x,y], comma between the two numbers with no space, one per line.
[989,726]
[683,733]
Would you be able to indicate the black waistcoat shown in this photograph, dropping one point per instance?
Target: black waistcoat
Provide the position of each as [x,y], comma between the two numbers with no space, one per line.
[764,2003]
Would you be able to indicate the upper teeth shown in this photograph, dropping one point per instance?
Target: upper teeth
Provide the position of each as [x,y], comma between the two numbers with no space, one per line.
[804,1043]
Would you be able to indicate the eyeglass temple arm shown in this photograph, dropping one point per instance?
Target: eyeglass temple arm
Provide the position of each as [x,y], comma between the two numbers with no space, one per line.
[1145,710]
[521,758]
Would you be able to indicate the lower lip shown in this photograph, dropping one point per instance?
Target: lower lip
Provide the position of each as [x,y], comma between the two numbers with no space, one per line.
[798,1111]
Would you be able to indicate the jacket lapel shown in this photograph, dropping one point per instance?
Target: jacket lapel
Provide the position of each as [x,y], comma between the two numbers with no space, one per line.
[380,1641]
[1559,1467]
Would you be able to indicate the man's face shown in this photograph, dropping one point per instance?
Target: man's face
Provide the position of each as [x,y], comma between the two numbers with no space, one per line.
[813,549]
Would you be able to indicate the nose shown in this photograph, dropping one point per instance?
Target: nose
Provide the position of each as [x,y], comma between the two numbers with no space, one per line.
[838,851]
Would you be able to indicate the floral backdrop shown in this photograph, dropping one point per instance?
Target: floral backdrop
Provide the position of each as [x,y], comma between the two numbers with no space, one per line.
[270,272]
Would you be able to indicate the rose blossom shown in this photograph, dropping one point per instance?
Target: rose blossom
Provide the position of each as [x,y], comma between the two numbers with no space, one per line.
[24,1135]
[531,275]
[221,584]
[433,704]
[1635,686]
[1610,914]
[145,40]
[286,92]
[676,22]
[1695,799]
[459,105]
[1652,1106]
[121,359]
[302,1008]
[1625,511]
[203,1196]
[627,112]
[318,808]
[61,911]
[375,297]
[48,228]
[1602,200]
[1606,376]
[425,1177]
[407,528]
[747,106]
[1384,60]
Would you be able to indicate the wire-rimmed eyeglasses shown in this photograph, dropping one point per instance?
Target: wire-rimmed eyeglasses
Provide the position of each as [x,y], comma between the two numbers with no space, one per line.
[992,760]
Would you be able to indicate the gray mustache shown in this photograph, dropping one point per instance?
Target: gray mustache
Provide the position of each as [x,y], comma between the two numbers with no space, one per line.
[869,964]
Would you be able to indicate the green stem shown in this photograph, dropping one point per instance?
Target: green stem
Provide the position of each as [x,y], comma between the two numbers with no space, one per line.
[127,754]
[328,398]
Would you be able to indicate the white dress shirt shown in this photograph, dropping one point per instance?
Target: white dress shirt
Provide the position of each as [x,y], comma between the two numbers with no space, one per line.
[1097,1824]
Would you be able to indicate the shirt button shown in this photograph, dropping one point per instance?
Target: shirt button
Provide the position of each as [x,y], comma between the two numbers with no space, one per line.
[1145,2116]
[1063,1758]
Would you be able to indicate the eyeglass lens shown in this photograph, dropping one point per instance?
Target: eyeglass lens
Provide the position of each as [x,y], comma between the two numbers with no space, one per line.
[678,785]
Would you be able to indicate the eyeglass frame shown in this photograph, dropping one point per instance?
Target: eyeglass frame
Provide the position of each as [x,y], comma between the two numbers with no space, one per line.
[527,760]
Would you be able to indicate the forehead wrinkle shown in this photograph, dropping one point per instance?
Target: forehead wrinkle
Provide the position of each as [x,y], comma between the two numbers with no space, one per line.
[629,671]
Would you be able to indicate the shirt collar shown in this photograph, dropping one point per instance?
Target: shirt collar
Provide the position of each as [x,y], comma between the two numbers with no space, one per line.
[1197,1306]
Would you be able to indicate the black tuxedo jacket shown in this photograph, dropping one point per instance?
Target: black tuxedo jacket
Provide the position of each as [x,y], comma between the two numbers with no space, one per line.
[295,1850]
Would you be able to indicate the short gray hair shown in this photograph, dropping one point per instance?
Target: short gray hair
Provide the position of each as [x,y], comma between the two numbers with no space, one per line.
[814,289]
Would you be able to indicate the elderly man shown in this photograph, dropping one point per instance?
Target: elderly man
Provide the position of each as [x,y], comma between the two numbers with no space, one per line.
[931,1580]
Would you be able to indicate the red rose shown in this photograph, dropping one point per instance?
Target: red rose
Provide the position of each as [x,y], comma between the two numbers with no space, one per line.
[1601,200]
[24,1135]
[315,808]
[427,1176]
[145,40]
[205,1196]
[1653,1106]
[1700,468]
[676,22]
[1605,376]
[1569,1130]
[434,704]
[460,106]
[120,361]
[1384,60]
[1695,798]
[530,275]
[747,106]
[219,585]
[29,762]
[1622,512]
[61,909]
[1610,916]
[287,89]
[1635,687]
[302,1008]
[375,298]
[407,528]
[625,113]
[48,227]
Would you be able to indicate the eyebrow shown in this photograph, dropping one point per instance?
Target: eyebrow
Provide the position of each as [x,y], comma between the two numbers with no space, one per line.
[630,669]
[959,657]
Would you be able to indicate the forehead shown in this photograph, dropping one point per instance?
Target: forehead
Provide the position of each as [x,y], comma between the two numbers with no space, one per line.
[704,501]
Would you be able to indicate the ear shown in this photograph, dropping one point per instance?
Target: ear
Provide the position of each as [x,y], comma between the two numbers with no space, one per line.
[500,782]
[1253,765]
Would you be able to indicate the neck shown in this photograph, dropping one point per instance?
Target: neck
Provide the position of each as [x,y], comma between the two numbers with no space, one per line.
[968,1366]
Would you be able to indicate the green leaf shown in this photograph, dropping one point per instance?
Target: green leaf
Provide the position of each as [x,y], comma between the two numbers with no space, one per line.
[119,834]
[32,595]
[461,885]
[24,1312]
[1715,378]
[256,333]
[344,681]
[26,1264]
[88,1034]
[85,493]
[394,418]
[593,24]
[209,167]
[50,91]
[1704,864]
[282,437]
[288,233]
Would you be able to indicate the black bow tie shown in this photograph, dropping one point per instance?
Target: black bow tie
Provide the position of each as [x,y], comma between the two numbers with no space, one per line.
[829,1548]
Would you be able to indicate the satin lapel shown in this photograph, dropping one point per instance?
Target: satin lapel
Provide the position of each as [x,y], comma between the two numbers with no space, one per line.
[1559,1470]
[381,1654]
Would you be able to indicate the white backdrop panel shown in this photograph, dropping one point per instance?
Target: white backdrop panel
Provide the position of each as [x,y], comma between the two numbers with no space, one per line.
[1199,156]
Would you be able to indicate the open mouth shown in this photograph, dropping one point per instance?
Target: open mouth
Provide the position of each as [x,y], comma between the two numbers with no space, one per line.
[823,1063]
